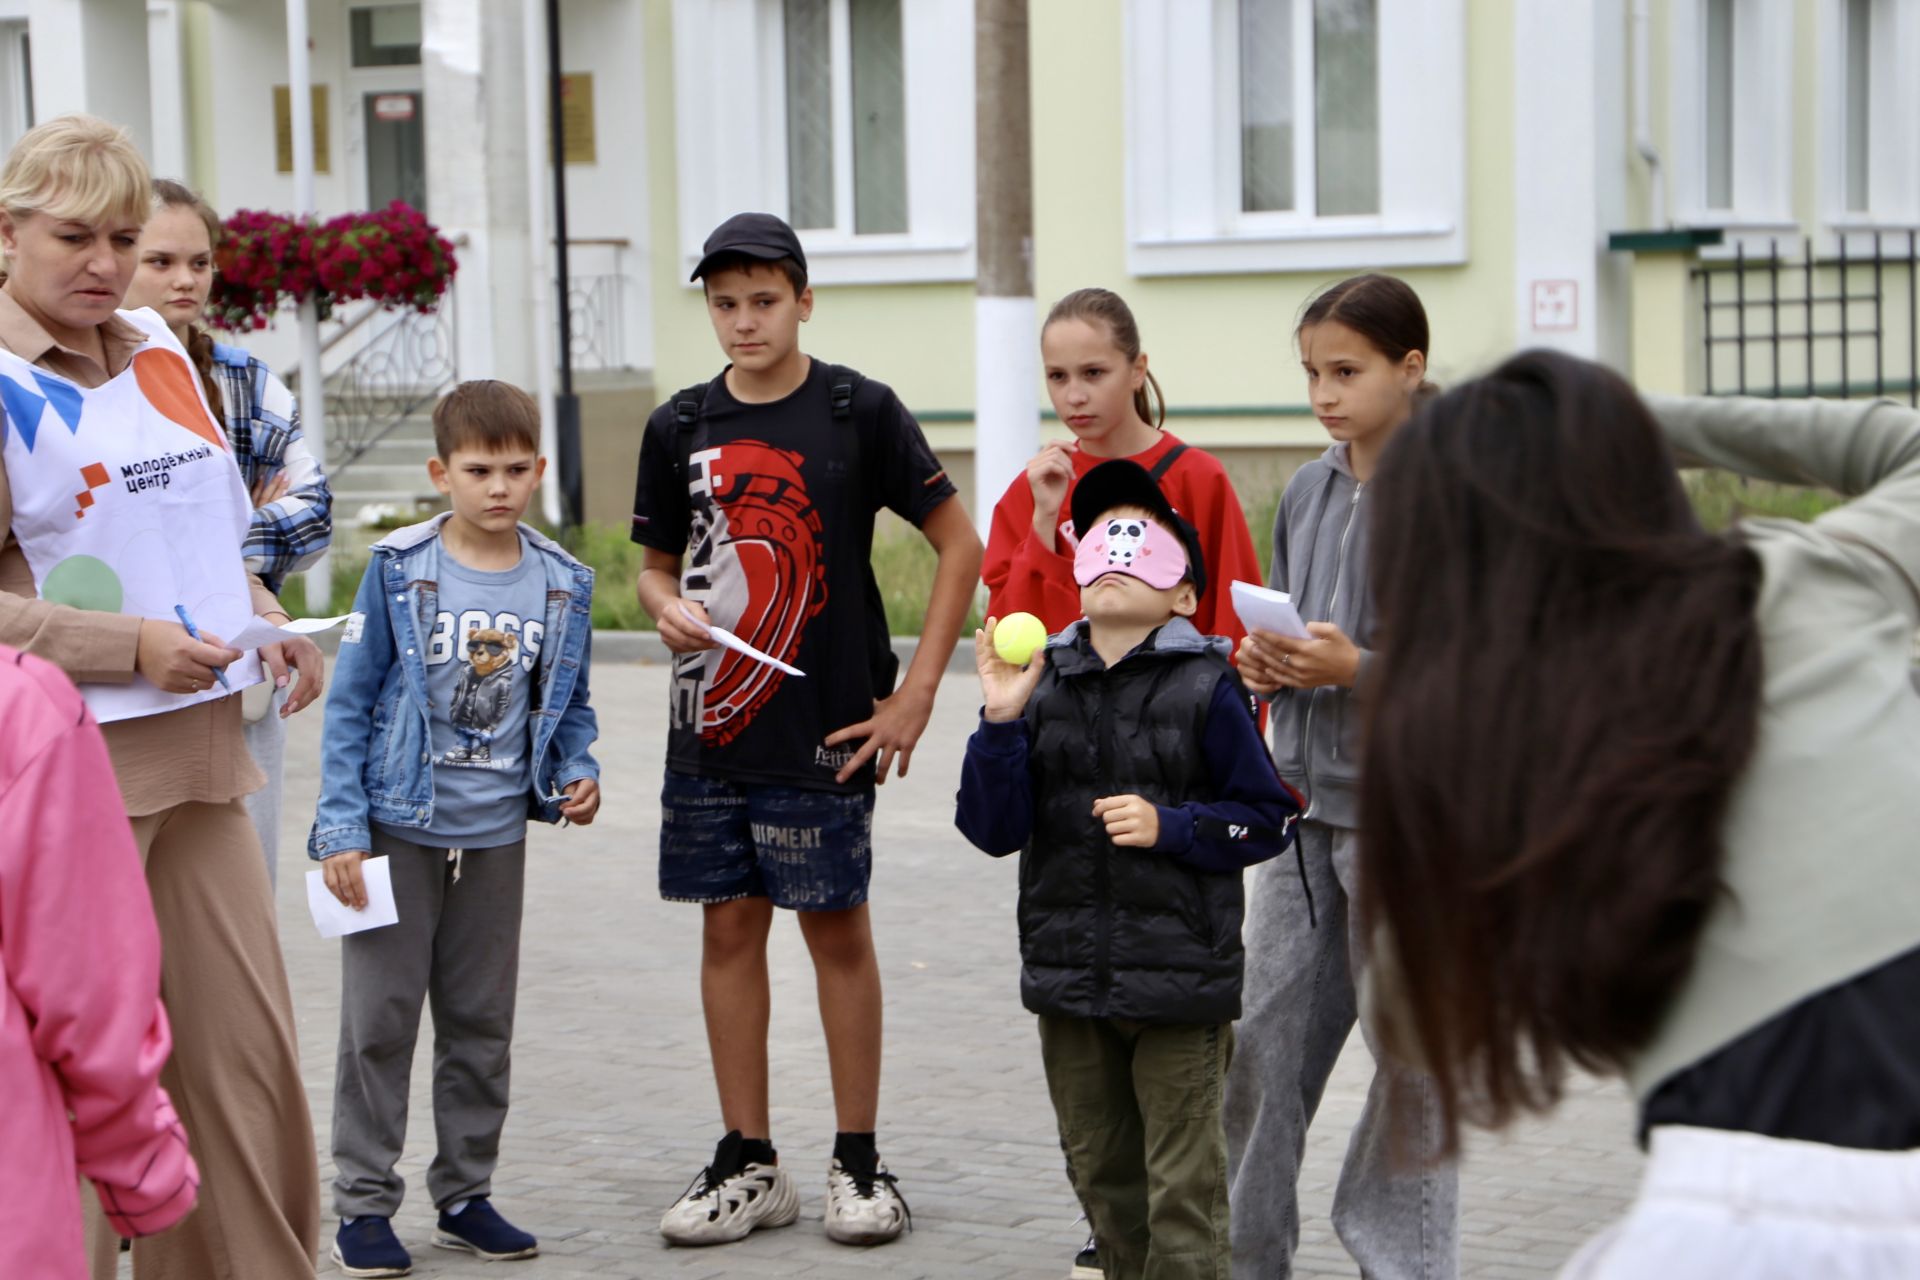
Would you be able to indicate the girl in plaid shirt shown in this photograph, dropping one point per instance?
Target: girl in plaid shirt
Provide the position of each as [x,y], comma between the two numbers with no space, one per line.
[293,507]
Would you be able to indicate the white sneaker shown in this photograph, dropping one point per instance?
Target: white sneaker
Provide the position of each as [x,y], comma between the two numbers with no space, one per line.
[864,1208]
[722,1209]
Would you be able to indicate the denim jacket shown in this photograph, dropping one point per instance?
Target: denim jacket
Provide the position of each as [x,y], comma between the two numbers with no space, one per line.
[376,761]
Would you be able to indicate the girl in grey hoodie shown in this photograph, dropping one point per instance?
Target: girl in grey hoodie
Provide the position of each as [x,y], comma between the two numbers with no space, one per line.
[1363,344]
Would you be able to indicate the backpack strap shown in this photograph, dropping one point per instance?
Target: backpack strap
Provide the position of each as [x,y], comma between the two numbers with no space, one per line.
[842,382]
[1166,462]
[686,417]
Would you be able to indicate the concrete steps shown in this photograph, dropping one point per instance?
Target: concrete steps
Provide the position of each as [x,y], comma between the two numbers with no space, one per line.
[392,473]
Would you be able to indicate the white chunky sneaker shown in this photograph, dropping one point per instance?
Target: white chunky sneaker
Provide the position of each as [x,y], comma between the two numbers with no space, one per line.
[864,1207]
[729,1199]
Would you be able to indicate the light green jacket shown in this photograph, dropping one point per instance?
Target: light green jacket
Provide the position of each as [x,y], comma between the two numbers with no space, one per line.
[1823,836]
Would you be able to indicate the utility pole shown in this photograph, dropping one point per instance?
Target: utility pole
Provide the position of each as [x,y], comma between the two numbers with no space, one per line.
[1006,417]
[568,406]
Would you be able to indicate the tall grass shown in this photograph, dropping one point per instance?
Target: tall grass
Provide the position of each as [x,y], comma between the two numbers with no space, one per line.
[1720,498]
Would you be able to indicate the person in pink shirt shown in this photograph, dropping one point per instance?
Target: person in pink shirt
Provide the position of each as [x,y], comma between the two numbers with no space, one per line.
[82,1032]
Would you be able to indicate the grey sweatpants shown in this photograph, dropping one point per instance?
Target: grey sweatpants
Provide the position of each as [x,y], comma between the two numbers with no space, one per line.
[1396,1207]
[458,943]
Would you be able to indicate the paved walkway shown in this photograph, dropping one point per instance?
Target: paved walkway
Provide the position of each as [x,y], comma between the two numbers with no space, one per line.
[614,1111]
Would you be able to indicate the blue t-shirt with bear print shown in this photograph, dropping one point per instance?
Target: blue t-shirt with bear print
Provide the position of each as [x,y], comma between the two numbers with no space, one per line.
[483,657]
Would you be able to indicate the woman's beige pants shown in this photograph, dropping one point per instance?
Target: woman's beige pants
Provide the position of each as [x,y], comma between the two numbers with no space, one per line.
[235,1072]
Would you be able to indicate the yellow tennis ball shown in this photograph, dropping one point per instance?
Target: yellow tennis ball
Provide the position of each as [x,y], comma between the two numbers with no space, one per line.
[1016,636]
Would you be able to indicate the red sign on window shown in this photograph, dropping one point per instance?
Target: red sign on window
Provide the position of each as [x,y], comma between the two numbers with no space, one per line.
[393,107]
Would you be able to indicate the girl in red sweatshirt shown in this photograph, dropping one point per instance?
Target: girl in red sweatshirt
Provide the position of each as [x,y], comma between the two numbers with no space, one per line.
[1097,378]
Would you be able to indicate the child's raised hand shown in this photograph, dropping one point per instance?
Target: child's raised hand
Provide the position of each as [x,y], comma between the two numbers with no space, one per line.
[342,874]
[1006,687]
[1049,475]
[1132,821]
[583,801]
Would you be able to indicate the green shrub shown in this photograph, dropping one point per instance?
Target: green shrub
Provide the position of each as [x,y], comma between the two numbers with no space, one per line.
[615,560]
[903,565]
[347,571]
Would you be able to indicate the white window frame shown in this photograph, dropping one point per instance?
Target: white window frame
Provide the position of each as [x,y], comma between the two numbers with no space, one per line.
[1763,125]
[1893,143]
[1184,213]
[15,75]
[729,70]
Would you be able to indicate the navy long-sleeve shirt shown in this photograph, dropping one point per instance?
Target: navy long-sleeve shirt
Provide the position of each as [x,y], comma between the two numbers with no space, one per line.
[996,793]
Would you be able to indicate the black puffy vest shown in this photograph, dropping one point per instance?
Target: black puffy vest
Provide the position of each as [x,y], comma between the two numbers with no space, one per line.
[1110,932]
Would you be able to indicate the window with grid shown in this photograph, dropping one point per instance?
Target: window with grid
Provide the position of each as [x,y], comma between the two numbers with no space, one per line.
[1732,68]
[1285,135]
[1308,106]
[846,116]
[1870,168]
[853,118]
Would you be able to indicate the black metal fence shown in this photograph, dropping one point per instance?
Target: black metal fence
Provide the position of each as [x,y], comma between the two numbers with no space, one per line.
[1840,324]
[403,362]
[598,307]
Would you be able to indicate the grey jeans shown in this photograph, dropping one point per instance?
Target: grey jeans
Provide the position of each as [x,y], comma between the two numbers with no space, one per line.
[458,944]
[1396,1207]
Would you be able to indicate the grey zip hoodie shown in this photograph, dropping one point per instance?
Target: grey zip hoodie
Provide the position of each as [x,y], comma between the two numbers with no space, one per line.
[1320,559]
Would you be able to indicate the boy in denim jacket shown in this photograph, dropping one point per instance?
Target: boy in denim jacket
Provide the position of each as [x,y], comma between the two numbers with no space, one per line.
[458,710]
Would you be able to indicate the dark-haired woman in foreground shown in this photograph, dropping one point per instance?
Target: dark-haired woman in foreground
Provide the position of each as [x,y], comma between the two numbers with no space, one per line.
[1641,798]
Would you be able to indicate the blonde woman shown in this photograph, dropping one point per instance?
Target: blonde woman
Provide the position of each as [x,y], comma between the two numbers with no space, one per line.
[292,520]
[119,492]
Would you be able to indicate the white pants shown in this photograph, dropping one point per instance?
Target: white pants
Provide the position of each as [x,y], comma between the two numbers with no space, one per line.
[1716,1204]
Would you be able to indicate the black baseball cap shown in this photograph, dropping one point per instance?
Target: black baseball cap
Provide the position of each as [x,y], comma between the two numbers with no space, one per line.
[752,235]
[1123,482]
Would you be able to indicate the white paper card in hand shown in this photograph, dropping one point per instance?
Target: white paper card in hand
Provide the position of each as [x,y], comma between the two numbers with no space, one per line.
[334,917]
[727,640]
[1269,610]
[259,632]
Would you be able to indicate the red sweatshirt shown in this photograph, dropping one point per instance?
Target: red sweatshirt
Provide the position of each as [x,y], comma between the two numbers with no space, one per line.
[1023,576]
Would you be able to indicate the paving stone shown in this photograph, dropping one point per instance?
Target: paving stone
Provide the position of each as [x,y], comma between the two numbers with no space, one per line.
[614,1110]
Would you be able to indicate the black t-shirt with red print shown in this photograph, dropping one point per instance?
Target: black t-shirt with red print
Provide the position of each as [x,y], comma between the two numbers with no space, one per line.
[772,507]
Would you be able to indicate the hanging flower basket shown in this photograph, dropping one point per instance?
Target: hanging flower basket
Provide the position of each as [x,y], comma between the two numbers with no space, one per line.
[393,256]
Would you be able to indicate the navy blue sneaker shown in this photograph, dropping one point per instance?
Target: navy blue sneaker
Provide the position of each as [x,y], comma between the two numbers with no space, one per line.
[479,1229]
[368,1247]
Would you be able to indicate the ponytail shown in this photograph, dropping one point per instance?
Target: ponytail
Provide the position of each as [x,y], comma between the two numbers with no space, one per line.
[200,351]
[1151,409]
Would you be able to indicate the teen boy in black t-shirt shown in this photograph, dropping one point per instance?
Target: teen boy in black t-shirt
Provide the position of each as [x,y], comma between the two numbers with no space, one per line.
[765,482]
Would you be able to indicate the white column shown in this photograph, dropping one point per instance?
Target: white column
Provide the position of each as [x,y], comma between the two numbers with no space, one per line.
[167,91]
[540,256]
[91,56]
[1557,237]
[1006,375]
[313,383]
[473,66]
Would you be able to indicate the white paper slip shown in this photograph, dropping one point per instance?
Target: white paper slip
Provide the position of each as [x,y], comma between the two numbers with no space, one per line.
[1269,610]
[259,631]
[333,917]
[727,640]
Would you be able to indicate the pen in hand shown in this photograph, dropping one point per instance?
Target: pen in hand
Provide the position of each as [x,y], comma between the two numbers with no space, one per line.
[219,673]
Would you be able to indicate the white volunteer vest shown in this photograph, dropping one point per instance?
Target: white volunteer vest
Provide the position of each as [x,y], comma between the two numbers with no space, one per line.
[126,498]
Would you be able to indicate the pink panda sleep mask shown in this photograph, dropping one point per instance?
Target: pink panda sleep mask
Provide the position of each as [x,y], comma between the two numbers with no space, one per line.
[1135,545]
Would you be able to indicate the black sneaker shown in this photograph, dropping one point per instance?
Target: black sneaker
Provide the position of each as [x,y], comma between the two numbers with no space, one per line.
[1086,1264]
[479,1229]
[368,1247]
